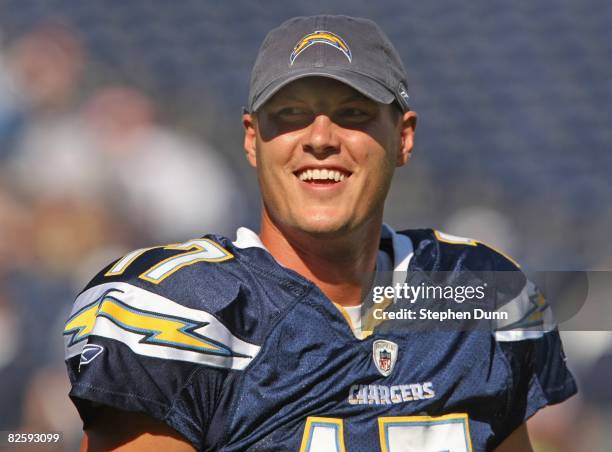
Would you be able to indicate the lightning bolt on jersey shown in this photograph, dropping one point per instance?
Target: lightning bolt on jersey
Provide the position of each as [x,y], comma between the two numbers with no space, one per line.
[238,353]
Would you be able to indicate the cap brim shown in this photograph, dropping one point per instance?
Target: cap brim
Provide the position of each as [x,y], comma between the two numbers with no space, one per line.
[367,86]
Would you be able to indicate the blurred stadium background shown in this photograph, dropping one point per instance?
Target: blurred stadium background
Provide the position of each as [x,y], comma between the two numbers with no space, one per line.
[120,127]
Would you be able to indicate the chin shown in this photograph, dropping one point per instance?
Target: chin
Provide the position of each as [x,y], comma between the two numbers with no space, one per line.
[323,226]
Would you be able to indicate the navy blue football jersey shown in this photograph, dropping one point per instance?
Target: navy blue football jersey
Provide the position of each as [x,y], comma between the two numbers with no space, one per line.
[237,353]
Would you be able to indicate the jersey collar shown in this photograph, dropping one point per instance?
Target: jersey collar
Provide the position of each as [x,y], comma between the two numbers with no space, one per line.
[403,249]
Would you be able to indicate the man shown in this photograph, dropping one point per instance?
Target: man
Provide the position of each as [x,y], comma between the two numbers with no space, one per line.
[261,344]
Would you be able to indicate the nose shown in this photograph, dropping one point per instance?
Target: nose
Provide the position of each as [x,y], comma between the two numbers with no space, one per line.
[322,138]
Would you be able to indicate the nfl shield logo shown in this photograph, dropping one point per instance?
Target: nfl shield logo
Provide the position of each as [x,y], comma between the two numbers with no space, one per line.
[384,355]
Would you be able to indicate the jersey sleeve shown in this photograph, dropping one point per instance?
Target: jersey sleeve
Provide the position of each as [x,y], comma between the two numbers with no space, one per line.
[132,349]
[530,343]
[526,335]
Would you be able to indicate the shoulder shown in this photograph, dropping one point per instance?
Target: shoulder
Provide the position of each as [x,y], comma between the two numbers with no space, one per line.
[202,301]
[466,261]
[445,252]
[524,311]
[158,268]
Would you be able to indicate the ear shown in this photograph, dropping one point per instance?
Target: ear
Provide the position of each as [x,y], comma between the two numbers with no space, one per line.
[408,126]
[250,138]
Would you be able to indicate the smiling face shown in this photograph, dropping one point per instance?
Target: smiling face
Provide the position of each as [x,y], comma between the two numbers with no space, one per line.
[325,155]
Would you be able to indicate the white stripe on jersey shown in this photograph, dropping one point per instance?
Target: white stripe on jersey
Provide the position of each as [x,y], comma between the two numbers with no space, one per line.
[529,316]
[136,302]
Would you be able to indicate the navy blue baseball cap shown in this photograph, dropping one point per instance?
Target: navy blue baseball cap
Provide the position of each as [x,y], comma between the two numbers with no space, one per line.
[351,50]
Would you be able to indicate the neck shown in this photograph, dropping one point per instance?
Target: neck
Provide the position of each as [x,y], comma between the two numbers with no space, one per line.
[341,266]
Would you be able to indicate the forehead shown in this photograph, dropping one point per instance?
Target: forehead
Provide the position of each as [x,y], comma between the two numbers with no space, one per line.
[316,89]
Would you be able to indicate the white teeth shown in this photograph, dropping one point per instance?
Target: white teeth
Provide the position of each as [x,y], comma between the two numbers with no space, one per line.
[321,174]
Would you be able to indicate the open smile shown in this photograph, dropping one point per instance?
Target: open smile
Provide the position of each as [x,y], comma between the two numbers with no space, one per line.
[322,175]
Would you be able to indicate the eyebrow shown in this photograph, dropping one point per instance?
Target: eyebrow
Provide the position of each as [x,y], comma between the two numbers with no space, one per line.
[292,97]
[286,97]
[354,96]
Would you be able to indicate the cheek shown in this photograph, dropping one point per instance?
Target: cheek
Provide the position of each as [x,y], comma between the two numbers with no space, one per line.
[385,137]
[378,166]
[376,157]
[270,156]
[273,158]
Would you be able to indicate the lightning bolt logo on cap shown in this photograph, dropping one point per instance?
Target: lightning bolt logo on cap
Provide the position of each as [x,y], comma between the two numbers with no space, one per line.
[320,37]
